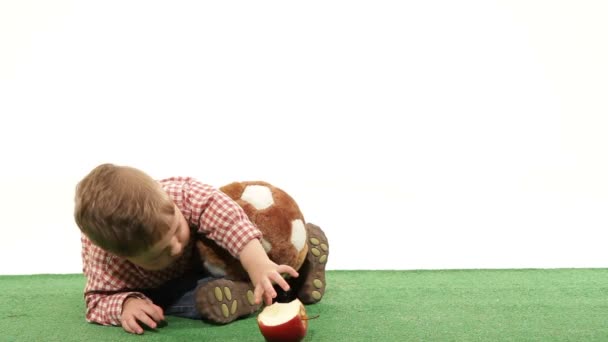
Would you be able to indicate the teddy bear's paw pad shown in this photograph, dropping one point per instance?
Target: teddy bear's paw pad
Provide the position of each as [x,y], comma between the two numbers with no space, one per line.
[222,301]
[319,250]
[313,269]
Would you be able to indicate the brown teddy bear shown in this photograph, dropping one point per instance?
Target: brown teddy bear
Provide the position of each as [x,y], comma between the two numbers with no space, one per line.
[287,239]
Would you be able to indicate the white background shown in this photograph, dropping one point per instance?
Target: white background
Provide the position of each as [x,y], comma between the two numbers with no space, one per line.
[418,134]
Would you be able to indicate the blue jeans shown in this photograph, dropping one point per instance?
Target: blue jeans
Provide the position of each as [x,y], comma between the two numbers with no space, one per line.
[178,296]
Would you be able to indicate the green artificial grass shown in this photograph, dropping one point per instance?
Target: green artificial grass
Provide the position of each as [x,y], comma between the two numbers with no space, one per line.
[453,305]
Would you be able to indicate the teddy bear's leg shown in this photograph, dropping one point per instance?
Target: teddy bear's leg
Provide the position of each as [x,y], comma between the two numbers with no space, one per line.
[222,301]
[310,285]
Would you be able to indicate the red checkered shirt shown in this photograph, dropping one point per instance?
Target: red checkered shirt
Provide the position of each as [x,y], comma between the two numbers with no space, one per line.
[111,279]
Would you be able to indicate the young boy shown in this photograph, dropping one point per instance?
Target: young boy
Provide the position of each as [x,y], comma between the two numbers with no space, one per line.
[139,257]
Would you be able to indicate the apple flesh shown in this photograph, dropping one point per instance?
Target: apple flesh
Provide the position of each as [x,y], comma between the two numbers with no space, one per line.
[283,322]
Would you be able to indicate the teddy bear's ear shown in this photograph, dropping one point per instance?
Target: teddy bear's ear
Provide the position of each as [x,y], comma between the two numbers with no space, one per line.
[233,190]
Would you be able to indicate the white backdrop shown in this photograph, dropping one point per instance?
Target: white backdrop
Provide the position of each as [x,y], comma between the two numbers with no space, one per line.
[420,135]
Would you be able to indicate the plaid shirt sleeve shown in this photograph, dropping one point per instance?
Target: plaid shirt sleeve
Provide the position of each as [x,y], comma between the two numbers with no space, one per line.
[213,212]
[105,291]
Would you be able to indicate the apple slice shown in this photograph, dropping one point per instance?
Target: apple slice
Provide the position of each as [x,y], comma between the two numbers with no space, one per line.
[283,322]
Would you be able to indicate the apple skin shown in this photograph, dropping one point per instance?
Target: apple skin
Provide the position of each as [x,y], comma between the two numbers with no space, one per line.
[292,330]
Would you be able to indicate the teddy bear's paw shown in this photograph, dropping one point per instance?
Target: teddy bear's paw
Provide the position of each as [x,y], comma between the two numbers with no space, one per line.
[312,272]
[222,300]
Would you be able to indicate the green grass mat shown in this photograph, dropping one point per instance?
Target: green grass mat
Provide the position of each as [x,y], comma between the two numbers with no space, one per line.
[466,305]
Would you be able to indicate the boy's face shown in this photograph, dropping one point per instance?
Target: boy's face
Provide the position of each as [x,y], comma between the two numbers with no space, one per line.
[169,248]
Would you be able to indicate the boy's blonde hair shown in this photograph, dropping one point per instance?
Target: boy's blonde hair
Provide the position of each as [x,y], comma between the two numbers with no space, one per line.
[121,209]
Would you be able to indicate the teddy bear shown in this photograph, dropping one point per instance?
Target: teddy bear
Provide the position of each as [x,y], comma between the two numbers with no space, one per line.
[287,239]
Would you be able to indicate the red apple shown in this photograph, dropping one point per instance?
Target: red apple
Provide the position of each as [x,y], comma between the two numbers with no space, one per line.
[283,322]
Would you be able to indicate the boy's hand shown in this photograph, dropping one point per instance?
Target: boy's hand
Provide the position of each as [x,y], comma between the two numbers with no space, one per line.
[264,275]
[263,272]
[136,311]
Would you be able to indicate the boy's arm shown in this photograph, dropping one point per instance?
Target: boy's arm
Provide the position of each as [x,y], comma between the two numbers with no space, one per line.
[104,292]
[224,221]
[106,309]
[213,212]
